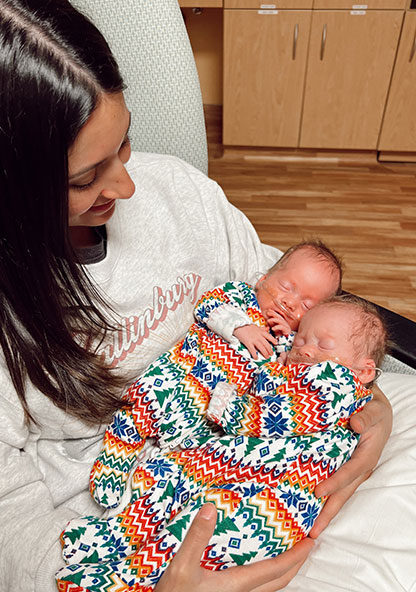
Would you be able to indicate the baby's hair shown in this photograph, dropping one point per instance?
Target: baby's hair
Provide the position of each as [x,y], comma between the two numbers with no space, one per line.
[317,249]
[370,333]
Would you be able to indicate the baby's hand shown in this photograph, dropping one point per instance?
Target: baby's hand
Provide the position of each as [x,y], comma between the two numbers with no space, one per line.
[279,325]
[256,339]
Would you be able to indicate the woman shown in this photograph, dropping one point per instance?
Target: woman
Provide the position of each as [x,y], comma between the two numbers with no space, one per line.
[94,284]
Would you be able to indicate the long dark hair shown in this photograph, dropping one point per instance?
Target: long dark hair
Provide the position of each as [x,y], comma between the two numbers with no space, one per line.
[54,64]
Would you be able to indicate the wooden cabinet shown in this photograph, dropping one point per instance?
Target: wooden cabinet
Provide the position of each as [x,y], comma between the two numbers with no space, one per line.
[265,56]
[360,4]
[317,74]
[265,5]
[399,126]
[351,57]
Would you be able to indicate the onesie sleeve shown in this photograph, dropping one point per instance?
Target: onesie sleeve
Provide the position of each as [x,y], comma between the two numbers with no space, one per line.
[225,308]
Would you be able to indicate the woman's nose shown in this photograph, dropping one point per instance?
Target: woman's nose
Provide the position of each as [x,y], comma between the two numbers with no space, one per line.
[120,186]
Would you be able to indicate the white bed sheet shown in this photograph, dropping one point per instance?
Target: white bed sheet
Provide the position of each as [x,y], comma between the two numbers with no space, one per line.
[371,544]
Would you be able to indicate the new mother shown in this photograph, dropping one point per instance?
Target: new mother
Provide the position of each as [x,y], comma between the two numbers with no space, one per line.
[103,254]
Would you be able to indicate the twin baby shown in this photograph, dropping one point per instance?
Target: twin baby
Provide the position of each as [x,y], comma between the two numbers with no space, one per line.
[250,411]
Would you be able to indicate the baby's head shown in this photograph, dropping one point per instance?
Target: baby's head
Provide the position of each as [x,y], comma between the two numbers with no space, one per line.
[344,329]
[305,275]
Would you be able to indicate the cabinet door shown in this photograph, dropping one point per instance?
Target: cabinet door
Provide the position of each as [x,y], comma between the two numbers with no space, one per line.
[264,69]
[360,4]
[269,4]
[351,59]
[399,126]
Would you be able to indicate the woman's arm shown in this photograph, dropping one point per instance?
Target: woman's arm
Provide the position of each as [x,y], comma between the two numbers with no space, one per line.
[374,423]
[186,575]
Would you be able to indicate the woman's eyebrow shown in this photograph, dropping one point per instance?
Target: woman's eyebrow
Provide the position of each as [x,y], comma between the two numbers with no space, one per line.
[90,168]
[80,173]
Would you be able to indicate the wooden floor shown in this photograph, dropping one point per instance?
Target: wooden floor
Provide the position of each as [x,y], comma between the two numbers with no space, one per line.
[363,209]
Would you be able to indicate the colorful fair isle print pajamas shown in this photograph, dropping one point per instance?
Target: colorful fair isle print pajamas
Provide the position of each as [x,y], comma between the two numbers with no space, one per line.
[285,431]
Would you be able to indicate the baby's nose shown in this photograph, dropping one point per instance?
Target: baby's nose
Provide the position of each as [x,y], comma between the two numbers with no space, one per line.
[291,301]
[307,350]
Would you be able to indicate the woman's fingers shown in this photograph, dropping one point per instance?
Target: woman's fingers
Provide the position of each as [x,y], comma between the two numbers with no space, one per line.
[281,582]
[358,468]
[184,573]
[199,534]
[373,413]
[377,411]
[333,504]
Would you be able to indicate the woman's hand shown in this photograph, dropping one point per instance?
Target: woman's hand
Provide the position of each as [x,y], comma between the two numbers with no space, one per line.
[374,423]
[185,573]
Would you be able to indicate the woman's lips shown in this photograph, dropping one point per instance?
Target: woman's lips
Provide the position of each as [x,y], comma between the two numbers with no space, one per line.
[102,207]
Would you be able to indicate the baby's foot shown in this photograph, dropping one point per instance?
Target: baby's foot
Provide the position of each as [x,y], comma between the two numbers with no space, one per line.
[90,540]
[107,484]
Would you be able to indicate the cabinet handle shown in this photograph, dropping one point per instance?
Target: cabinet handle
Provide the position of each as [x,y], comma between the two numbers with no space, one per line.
[295,41]
[323,43]
[412,53]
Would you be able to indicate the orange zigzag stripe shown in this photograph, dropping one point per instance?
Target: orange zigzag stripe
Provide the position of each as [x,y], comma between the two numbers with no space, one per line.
[221,354]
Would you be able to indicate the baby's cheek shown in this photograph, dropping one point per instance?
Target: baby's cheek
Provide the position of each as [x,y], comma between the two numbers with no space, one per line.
[294,324]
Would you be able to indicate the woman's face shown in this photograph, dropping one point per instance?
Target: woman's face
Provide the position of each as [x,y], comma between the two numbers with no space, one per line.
[97,175]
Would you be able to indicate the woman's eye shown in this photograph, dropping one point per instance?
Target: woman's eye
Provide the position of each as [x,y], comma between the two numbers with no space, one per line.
[83,187]
[125,150]
[126,142]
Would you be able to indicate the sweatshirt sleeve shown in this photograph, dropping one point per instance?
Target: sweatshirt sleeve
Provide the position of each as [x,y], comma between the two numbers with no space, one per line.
[30,525]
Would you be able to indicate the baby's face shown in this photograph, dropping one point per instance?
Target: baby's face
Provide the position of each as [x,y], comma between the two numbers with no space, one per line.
[296,287]
[325,333]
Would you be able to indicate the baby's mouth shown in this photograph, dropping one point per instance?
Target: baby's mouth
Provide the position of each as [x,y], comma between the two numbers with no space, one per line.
[299,360]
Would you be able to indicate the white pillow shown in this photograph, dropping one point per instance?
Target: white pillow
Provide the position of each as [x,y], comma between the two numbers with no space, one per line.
[371,544]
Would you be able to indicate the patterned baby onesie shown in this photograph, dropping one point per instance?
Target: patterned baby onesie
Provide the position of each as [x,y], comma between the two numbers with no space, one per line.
[171,397]
[286,430]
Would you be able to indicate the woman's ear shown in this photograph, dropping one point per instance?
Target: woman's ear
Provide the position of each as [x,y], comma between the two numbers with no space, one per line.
[366,370]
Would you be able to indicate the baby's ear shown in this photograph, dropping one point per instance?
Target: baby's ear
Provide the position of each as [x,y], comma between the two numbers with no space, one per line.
[367,371]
